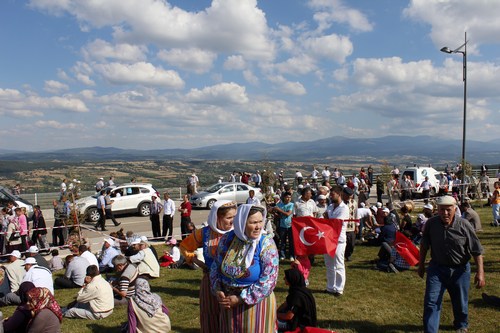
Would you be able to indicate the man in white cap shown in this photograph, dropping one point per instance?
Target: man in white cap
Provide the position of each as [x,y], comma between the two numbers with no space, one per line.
[106,262]
[40,260]
[453,242]
[147,263]
[40,276]
[15,270]
[99,185]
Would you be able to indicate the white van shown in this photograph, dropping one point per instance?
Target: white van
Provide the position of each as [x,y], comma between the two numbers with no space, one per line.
[418,174]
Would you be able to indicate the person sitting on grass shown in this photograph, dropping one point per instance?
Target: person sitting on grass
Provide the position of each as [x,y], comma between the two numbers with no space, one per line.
[299,309]
[124,286]
[303,265]
[56,263]
[147,264]
[146,312]
[391,261]
[22,315]
[172,255]
[95,300]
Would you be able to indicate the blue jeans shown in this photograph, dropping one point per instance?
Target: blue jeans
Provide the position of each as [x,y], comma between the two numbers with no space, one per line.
[284,234]
[457,281]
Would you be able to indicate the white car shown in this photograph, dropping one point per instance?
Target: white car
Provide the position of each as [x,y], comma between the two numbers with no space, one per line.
[127,198]
[6,196]
[224,191]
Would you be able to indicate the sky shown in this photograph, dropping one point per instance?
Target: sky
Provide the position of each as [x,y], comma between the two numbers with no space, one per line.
[151,74]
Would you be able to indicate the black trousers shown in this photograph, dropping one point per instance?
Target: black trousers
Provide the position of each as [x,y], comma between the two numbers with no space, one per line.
[350,242]
[57,234]
[110,215]
[64,283]
[284,234]
[185,221]
[167,226]
[155,225]
[102,220]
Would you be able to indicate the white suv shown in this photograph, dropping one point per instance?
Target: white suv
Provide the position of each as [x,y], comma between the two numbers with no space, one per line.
[128,198]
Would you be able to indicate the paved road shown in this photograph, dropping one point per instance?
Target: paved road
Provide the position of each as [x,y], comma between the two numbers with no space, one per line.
[138,224]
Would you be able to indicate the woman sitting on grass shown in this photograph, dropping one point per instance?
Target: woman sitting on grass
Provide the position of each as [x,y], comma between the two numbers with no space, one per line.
[22,315]
[146,312]
[299,309]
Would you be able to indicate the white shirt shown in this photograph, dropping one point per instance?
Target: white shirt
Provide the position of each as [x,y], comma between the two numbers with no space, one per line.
[253,201]
[175,253]
[63,187]
[169,207]
[326,174]
[341,180]
[41,277]
[298,174]
[314,174]
[339,212]
[305,208]
[91,258]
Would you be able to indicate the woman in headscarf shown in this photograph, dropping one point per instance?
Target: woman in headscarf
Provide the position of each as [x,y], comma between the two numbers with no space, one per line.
[243,275]
[46,313]
[146,312]
[22,315]
[220,221]
[299,309]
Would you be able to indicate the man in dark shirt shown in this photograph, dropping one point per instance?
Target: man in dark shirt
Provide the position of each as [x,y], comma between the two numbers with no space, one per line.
[452,241]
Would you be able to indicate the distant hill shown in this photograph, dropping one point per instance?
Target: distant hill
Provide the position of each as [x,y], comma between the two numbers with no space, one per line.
[400,149]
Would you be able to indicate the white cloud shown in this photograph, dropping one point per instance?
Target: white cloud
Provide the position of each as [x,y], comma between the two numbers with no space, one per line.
[250,77]
[451,18]
[226,26]
[140,73]
[234,62]
[55,124]
[191,60]
[335,11]
[101,50]
[220,94]
[55,87]
[331,46]
[299,65]
[288,87]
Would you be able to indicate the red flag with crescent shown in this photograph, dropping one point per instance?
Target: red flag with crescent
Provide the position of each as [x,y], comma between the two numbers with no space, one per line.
[315,236]
[406,249]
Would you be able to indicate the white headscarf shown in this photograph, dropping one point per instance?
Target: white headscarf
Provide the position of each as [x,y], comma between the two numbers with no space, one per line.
[212,217]
[240,222]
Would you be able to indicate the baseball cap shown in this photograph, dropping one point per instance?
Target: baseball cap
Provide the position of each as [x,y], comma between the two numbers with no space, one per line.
[348,190]
[30,261]
[33,249]
[143,239]
[16,254]
[136,241]
[321,197]
[386,210]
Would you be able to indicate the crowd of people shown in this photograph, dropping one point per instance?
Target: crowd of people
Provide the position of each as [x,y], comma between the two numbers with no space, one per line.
[240,249]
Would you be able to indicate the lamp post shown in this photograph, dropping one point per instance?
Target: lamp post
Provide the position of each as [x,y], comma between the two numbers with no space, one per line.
[464,54]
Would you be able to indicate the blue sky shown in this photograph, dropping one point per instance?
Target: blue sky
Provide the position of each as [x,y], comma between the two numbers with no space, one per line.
[151,74]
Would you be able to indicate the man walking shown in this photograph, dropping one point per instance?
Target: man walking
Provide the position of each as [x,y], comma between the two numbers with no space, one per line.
[101,207]
[453,242]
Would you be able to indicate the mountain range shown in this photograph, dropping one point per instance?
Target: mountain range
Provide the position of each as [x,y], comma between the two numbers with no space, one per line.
[393,149]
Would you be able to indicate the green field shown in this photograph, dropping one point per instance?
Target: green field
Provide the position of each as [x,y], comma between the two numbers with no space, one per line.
[373,302]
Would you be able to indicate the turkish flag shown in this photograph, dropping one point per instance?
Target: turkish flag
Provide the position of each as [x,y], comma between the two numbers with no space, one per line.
[406,249]
[315,236]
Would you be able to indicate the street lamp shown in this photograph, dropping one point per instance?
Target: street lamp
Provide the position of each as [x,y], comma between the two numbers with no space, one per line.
[464,54]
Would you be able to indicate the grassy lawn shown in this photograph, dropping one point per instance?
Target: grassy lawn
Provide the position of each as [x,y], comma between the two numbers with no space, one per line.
[373,301]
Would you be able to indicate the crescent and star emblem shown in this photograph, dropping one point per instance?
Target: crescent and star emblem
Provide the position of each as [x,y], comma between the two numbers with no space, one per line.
[302,238]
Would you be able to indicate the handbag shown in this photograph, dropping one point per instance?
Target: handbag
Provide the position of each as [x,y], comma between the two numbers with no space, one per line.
[14,236]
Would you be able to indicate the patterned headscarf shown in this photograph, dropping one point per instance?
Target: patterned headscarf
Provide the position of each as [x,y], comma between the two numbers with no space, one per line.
[212,217]
[41,298]
[145,299]
[245,249]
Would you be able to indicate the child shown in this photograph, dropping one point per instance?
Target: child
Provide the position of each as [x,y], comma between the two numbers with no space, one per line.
[303,265]
[56,262]
[171,256]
